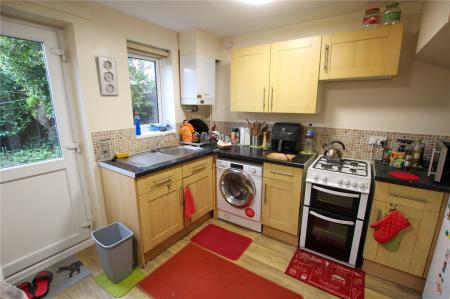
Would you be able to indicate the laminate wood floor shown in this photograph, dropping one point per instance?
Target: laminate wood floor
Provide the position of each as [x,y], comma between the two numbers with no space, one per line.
[266,257]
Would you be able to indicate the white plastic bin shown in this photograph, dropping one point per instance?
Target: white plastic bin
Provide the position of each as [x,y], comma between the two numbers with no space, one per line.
[114,246]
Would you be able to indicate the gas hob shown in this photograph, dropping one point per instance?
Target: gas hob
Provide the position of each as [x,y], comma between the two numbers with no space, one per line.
[350,174]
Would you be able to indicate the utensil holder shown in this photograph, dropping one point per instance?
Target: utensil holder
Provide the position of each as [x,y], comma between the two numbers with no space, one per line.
[255,140]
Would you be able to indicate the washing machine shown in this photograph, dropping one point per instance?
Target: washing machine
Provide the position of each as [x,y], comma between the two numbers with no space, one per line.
[239,188]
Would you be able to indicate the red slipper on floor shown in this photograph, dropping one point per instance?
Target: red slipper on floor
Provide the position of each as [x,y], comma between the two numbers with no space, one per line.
[41,283]
[27,288]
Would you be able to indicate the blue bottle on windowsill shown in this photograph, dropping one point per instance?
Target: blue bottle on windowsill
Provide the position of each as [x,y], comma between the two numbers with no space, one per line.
[137,123]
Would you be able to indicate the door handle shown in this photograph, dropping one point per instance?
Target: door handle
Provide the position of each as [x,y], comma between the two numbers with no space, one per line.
[281,173]
[265,193]
[264,98]
[325,63]
[271,101]
[337,221]
[75,146]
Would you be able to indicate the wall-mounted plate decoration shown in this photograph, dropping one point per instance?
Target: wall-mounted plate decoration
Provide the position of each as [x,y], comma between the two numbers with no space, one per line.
[107,76]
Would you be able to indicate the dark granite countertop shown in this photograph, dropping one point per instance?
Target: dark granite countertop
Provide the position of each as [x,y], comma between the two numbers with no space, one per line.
[254,155]
[136,172]
[424,182]
[244,153]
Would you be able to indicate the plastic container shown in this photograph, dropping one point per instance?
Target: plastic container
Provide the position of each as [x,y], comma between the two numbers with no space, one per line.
[114,246]
[372,18]
[392,14]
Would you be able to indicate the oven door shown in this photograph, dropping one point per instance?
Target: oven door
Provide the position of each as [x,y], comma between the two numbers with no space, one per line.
[336,201]
[329,235]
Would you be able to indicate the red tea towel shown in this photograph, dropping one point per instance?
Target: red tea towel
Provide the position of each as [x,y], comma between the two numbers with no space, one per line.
[388,227]
[403,175]
[189,207]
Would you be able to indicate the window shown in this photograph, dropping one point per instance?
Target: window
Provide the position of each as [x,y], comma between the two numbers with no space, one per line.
[145,81]
[28,132]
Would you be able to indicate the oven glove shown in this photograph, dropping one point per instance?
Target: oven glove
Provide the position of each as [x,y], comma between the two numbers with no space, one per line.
[389,226]
[393,244]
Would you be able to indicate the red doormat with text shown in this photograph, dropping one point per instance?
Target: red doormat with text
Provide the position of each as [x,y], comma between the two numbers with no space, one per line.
[222,241]
[196,273]
[332,277]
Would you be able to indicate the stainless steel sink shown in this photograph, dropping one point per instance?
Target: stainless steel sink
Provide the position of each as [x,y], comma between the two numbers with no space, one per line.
[147,159]
[180,150]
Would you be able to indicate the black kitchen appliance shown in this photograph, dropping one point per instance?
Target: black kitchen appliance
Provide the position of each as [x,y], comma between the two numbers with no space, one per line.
[286,137]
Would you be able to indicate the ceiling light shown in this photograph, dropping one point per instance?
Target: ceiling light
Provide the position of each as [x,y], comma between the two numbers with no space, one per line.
[257,2]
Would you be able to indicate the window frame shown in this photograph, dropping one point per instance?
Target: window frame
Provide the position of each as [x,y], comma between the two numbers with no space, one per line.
[159,86]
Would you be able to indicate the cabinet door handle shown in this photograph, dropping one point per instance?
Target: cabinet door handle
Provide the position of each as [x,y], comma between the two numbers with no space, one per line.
[181,197]
[281,173]
[265,193]
[271,100]
[325,63]
[162,181]
[264,98]
[198,168]
[408,197]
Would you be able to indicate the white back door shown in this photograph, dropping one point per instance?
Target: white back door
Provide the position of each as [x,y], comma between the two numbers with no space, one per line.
[42,206]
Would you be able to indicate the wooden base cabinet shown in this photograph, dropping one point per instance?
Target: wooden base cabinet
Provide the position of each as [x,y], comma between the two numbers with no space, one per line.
[282,186]
[153,206]
[423,209]
[161,214]
[201,186]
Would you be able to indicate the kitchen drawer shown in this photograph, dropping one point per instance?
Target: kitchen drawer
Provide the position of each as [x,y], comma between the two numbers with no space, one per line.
[159,179]
[197,166]
[281,172]
[417,198]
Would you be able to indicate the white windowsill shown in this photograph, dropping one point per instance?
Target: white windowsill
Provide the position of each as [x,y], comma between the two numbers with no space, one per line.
[150,134]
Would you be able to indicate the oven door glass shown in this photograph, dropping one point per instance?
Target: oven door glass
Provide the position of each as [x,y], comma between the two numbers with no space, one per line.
[329,235]
[341,202]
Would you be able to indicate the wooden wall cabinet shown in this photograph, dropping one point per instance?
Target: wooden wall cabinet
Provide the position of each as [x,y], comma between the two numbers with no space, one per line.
[153,206]
[282,188]
[279,77]
[423,209]
[368,53]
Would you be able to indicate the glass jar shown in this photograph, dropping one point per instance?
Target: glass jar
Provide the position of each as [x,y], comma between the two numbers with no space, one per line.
[392,14]
[372,18]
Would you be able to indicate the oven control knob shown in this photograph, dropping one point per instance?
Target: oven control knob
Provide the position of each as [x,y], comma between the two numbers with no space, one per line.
[316,177]
[339,181]
[346,183]
[324,179]
[354,184]
[362,185]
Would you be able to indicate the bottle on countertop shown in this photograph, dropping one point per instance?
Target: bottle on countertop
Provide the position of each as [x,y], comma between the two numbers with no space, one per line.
[137,123]
[309,140]
[417,154]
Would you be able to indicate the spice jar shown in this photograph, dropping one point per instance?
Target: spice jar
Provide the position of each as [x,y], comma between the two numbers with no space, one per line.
[392,14]
[372,17]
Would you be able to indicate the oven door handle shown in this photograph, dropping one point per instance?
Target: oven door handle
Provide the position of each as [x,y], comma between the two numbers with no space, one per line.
[337,221]
[337,193]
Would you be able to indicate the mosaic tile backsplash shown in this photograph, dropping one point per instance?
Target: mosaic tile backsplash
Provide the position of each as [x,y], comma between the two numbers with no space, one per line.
[356,141]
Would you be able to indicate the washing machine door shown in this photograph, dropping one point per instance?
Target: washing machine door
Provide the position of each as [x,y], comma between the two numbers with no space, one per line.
[237,188]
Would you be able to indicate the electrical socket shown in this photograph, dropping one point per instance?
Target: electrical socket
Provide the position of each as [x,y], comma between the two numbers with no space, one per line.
[377,139]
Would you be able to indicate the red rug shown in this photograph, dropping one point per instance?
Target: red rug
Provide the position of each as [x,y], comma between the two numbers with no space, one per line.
[222,241]
[197,273]
[332,277]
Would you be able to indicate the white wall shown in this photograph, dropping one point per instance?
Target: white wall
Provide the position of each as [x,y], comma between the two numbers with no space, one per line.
[417,101]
